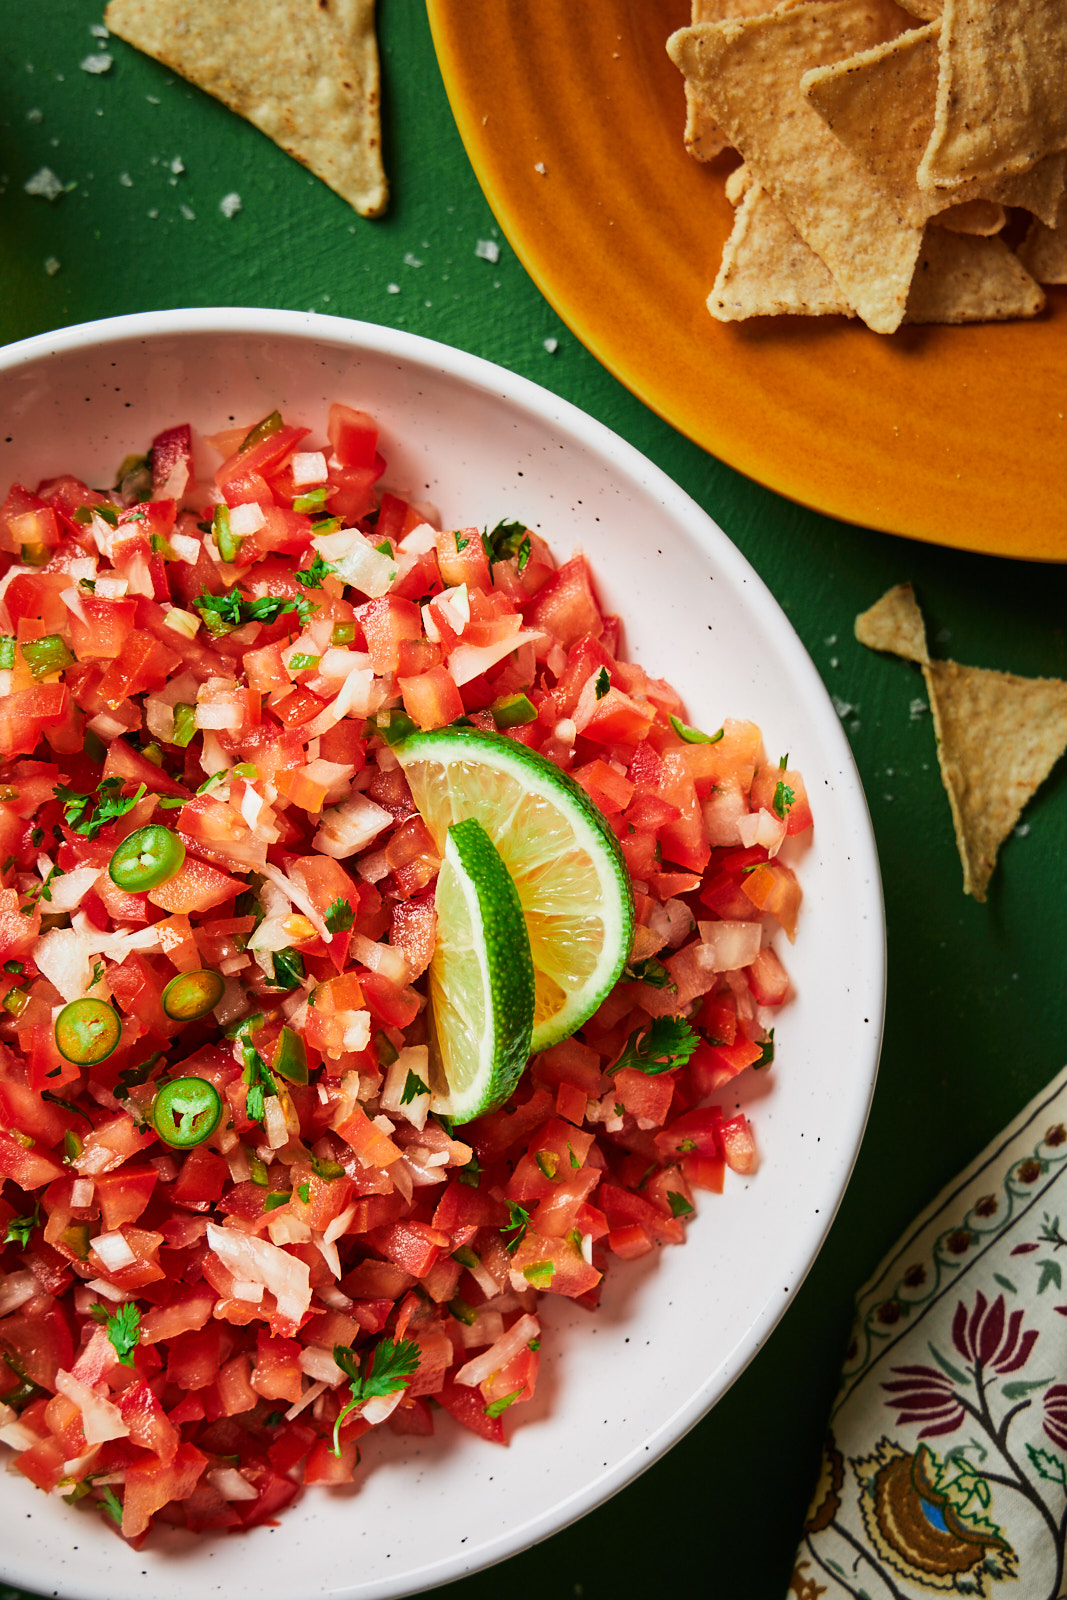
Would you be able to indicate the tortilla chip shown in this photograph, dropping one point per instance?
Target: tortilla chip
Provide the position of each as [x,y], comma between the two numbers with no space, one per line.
[738,183]
[895,623]
[981,217]
[704,139]
[304,71]
[998,738]
[1001,104]
[767,270]
[747,74]
[998,735]
[881,104]
[1044,250]
[961,278]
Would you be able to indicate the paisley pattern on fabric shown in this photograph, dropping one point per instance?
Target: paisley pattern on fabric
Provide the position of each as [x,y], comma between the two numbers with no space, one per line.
[945,1470]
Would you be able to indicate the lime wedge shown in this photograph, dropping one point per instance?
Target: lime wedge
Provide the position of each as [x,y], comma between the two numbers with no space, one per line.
[481,979]
[565,860]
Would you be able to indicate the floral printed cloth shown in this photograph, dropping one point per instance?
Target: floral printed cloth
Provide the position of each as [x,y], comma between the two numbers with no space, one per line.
[945,1465]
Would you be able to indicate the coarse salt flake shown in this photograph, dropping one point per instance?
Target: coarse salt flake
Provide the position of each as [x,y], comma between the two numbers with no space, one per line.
[230,204]
[45,183]
[97,63]
[308,466]
[487,250]
[551,345]
[51,265]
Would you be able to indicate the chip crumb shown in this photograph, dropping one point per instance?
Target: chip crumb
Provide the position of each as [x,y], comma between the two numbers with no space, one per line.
[392,288]
[487,250]
[51,266]
[96,63]
[844,708]
[35,114]
[540,167]
[45,183]
[917,709]
[230,204]
[177,165]
[411,260]
[125,180]
[551,345]
[1021,830]
[188,213]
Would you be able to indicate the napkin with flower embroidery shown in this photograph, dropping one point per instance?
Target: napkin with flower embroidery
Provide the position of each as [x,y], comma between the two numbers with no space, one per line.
[945,1465]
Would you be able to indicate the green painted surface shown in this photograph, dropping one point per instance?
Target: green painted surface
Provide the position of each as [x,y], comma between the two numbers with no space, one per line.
[974,1021]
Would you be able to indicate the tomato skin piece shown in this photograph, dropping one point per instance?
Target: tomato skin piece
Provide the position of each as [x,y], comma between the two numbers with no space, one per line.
[30,1169]
[353,436]
[566,606]
[124,1194]
[467,1407]
[151,1484]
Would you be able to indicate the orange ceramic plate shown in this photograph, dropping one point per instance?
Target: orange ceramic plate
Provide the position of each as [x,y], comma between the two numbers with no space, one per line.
[953,435]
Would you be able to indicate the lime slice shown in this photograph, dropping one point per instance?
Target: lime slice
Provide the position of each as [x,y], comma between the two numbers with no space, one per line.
[565,860]
[481,979]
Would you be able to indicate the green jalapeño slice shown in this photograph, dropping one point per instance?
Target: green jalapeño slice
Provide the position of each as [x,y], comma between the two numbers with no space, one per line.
[87,1031]
[149,857]
[186,1112]
[193,994]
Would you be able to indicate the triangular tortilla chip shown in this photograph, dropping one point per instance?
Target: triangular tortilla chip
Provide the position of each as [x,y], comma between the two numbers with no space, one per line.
[881,104]
[998,738]
[767,270]
[1044,250]
[895,623]
[747,74]
[704,139]
[304,71]
[963,278]
[1001,104]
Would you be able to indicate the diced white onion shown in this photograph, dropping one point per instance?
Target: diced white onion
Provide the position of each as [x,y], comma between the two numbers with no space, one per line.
[374,867]
[349,827]
[184,623]
[81,1192]
[420,541]
[380,1406]
[221,715]
[101,1419]
[309,1394]
[469,661]
[231,1483]
[500,1352]
[186,548]
[251,1293]
[72,599]
[357,1029]
[18,1435]
[113,1251]
[416,1059]
[111,588]
[297,897]
[386,959]
[100,1286]
[275,1123]
[728,946]
[70,890]
[245,519]
[257,1260]
[673,921]
[358,562]
[454,606]
[763,828]
[308,466]
[15,1289]
[320,1365]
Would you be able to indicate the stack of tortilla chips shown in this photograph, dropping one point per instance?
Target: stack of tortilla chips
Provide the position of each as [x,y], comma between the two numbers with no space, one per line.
[885,150]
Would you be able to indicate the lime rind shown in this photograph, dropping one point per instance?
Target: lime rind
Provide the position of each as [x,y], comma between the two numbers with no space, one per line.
[481,979]
[568,868]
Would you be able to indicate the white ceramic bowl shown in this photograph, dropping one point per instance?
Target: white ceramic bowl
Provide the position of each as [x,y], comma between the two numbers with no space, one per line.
[620,1386]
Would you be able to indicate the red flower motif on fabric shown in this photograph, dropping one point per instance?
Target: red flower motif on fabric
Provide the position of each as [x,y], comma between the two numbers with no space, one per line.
[990,1339]
[927,1396]
[1056,1414]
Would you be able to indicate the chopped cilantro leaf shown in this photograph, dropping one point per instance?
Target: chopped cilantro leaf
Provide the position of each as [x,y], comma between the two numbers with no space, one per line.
[462,541]
[19,1229]
[767,1051]
[519,1221]
[123,1329]
[222,613]
[603,683]
[390,1366]
[303,663]
[667,1043]
[340,916]
[504,540]
[413,1087]
[112,1505]
[82,816]
[311,577]
[784,797]
[680,1206]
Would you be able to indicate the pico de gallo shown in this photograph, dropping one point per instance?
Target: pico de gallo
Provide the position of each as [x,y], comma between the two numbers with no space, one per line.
[236,1239]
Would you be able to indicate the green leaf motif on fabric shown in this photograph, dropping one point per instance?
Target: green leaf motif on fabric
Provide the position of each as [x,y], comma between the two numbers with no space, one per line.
[1051,1272]
[1005,1283]
[1016,1390]
[946,1366]
[1047,1466]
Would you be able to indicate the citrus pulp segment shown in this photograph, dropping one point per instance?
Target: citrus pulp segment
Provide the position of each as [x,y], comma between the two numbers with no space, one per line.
[481,979]
[565,861]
